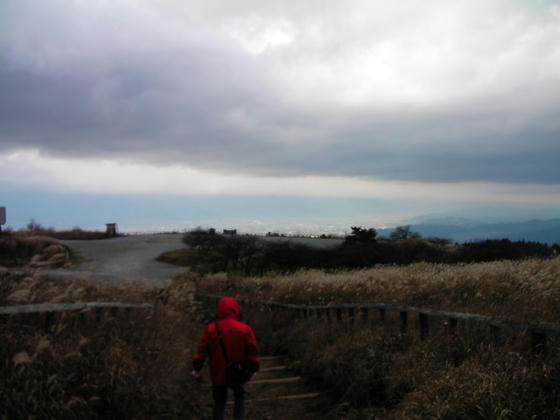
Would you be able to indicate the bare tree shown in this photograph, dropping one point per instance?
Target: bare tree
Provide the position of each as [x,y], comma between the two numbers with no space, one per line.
[404,233]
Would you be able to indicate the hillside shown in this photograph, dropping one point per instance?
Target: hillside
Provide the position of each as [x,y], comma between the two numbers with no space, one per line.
[545,231]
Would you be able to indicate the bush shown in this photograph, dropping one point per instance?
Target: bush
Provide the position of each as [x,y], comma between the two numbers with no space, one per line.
[360,235]
[250,256]
[18,250]
[491,250]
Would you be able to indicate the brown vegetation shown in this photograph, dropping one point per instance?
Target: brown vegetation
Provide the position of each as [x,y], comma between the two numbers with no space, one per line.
[117,365]
[377,371]
[31,287]
[209,252]
[137,366]
[64,235]
[34,251]
[525,290]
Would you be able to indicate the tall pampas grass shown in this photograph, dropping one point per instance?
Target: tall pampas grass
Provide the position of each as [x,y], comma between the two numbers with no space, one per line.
[375,370]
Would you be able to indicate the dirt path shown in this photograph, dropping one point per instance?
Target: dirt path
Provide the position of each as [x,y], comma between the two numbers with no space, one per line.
[129,258]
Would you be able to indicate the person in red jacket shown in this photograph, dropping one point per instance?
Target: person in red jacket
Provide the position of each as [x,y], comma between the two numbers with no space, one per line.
[241,345]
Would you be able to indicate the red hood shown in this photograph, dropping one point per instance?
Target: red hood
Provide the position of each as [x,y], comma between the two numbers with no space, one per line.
[228,308]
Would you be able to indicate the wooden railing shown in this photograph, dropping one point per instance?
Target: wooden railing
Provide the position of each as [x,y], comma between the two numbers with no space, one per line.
[57,307]
[539,331]
[44,313]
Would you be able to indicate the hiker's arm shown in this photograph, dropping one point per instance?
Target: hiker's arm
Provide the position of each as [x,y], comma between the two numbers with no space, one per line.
[202,353]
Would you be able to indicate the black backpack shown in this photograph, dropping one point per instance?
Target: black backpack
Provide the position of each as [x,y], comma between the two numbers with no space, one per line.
[237,373]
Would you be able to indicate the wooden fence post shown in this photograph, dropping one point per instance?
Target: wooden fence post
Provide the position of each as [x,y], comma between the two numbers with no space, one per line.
[49,318]
[382,315]
[364,315]
[404,321]
[351,314]
[98,315]
[89,317]
[328,311]
[339,314]
[82,319]
[538,342]
[496,334]
[424,326]
[453,326]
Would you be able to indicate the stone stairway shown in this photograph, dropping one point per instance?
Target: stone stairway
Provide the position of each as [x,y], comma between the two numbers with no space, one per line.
[276,394]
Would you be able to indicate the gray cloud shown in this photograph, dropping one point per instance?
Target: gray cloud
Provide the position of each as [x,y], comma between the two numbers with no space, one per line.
[172,85]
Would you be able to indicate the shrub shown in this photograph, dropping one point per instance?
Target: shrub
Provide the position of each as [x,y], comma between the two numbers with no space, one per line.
[18,250]
[360,235]
[249,255]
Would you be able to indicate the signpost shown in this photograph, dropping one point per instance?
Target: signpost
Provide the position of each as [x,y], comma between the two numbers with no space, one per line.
[2,217]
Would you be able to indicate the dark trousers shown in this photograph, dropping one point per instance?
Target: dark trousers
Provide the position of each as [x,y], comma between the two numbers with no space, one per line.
[219,392]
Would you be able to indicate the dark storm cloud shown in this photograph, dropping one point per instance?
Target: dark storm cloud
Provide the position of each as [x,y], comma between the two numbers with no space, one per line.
[169,109]
[164,95]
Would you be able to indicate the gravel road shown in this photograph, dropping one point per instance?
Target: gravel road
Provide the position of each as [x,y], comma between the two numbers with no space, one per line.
[134,257]
[128,258]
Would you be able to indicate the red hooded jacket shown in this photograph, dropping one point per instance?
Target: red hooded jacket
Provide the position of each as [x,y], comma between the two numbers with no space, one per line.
[239,340]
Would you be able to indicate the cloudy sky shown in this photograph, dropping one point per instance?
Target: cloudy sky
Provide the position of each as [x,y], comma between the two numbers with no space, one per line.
[159,113]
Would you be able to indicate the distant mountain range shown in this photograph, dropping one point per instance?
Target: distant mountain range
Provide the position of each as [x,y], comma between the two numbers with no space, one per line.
[465,230]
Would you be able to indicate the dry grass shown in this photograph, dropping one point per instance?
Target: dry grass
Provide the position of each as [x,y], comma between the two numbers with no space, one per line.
[34,251]
[138,366]
[375,371]
[524,290]
[124,365]
[30,287]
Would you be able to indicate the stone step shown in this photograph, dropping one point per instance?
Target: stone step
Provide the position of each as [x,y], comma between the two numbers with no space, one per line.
[275,389]
[284,380]
[268,360]
[272,368]
[266,383]
[271,372]
[270,398]
[307,396]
